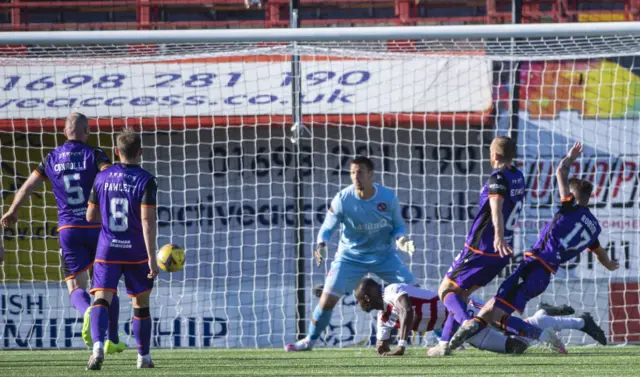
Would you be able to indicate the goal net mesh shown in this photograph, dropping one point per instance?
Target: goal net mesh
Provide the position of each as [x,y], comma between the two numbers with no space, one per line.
[216,126]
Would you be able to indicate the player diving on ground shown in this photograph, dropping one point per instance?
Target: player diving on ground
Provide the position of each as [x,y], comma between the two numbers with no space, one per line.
[410,308]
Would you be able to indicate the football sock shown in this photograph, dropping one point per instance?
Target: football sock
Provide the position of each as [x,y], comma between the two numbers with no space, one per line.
[142,329]
[449,328]
[319,321]
[520,327]
[114,313]
[80,300]
[557,323]
[99,320]
[456,306]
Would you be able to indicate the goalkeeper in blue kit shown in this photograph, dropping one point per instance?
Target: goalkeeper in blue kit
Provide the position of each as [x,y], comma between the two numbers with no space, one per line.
[372,232]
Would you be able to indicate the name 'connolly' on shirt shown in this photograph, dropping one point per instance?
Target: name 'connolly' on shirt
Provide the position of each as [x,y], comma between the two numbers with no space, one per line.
[63,166]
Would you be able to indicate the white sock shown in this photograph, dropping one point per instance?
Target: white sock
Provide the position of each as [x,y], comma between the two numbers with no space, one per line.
[542,320]
[569,323]
[443,343]
[97,346]
[144,357]
[311,341]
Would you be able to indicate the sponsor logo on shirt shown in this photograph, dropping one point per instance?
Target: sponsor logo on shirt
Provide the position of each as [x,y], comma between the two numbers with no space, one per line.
[373,226]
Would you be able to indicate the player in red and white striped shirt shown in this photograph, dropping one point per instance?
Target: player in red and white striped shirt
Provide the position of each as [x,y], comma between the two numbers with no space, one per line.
[411,308]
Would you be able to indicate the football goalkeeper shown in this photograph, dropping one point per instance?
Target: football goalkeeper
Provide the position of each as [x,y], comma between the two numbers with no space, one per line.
[373,231]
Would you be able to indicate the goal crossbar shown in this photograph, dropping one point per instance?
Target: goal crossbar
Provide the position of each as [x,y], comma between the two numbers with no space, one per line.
[323,34]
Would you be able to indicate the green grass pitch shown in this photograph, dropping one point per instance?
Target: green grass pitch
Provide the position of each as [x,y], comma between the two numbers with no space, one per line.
[582,361]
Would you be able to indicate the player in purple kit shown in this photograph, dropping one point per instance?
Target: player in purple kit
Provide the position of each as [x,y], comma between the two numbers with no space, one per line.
[123,199]
[487,249]
[572,229]
[71,169]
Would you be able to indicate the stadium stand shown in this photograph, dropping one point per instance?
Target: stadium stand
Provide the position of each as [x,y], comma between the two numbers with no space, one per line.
[23,15]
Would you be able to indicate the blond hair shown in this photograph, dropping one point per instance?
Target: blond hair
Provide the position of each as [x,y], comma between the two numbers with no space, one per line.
[504,147]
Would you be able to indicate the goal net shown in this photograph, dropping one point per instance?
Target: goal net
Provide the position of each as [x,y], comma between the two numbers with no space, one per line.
[216,120]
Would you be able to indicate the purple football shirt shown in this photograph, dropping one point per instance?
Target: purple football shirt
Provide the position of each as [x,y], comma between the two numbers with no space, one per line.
[509,184]
[572,229]
[71,168]
[120,191]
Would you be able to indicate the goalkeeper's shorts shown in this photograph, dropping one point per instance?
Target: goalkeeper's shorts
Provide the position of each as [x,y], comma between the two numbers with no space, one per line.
[345,274]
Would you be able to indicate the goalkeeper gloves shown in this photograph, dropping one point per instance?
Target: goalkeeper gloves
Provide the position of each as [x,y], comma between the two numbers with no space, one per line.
[320,253]
[406,245]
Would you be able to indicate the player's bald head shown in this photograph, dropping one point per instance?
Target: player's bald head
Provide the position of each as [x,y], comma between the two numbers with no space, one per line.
[368,293]
[366,286]
[76,127]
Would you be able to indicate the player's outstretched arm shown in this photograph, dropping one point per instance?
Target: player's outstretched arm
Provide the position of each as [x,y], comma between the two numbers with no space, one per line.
[329,225]
[405,314]
[33,182]
[562,172]
[499,244]
[1,251]
[603,258]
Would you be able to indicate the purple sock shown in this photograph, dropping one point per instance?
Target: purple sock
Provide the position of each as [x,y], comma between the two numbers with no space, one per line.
[99,322]
[142,329]
[80,300]
[457,307]
[520,327]
[449,328]
[114,313]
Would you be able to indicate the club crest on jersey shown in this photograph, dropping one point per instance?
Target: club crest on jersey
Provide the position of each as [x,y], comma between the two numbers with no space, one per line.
[382,207]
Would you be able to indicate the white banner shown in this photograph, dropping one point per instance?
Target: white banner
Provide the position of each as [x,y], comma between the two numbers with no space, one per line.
[219,88]
[41,317]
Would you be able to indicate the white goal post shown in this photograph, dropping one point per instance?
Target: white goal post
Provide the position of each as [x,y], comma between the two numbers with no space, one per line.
[237,180]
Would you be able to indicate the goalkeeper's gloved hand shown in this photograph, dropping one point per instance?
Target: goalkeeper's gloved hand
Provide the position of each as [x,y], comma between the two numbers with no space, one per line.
[406,245]
[320,253]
